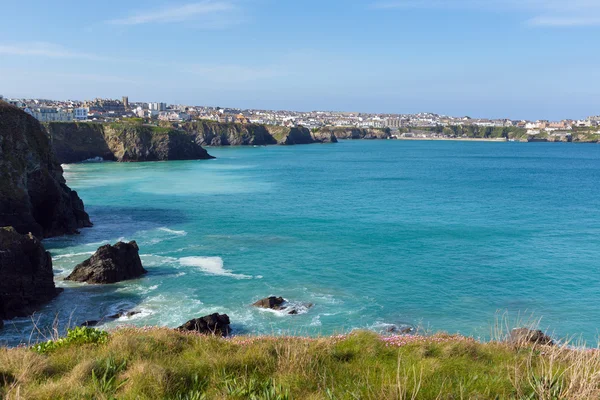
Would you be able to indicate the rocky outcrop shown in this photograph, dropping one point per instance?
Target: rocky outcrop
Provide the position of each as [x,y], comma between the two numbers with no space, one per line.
[133,141]
[75,142]
[290,136]
[525,335]
[281,304]
[214,324]
[323,136]
[129,142]
[26,278]
[357,133]
[273,302]
[211,133]
[34,196]
[126,142]
[110,264]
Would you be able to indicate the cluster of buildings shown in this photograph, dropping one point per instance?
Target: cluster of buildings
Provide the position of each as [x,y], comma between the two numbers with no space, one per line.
[102,110]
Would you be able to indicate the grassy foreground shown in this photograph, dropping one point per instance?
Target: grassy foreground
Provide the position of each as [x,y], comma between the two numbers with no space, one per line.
[158,363]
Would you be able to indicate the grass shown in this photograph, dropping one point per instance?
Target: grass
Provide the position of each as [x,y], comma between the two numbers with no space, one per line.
[159,363]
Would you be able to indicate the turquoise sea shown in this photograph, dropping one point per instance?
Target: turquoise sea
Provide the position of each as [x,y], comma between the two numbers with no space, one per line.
[438,234]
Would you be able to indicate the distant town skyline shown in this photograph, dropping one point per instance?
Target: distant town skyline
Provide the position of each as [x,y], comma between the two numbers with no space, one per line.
[528,59]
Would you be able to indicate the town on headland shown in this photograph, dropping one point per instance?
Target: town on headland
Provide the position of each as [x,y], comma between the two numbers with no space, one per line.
[422,126]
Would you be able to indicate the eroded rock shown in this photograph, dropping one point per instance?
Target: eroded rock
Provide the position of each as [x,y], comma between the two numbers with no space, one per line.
[26,277]
[214,324]
[110,264]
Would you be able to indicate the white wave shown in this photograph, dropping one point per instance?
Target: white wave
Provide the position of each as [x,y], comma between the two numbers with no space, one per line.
[93,160]
[174,232]
[211,266]
[69,255]
[316,321]
[98,243]
[152,260]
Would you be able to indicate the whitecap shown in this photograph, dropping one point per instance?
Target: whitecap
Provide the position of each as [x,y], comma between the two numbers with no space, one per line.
[211,266]
[173,232]
[69,255]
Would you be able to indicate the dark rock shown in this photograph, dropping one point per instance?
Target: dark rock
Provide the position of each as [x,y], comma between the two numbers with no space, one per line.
[74,142]
[355,133]
[524,335]
[293,312]
[91,323]
[274,303]
[110,264]
[121,314]
[406,330]
[26,277]
[34,196]
[214,324]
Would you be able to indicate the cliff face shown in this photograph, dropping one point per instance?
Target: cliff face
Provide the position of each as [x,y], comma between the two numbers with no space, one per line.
[26,278]
[209,133]
[33,194]
[147,143]
[74,142]
[357,133]
[299,135]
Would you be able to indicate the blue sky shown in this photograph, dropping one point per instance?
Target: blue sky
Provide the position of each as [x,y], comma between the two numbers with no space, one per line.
[484,58]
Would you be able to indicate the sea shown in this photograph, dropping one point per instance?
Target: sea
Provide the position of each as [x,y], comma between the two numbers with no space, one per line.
[459,237]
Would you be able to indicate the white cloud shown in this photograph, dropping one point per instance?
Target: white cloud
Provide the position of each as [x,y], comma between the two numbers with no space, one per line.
[210,12]
[558,13]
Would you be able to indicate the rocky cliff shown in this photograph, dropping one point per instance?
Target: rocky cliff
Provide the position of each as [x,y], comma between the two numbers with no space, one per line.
[75,142]
[356,133]
[130,142]
[299,135]
[210,133]
[33,194]
[26,279]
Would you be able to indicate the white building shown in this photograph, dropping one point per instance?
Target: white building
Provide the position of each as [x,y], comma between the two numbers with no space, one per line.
[81,113]
[48,114]
[157,106]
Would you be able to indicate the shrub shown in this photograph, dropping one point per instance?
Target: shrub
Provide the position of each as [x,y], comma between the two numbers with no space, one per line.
[78,335]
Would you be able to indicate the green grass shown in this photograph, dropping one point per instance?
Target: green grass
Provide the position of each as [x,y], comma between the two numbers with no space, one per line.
[160,363]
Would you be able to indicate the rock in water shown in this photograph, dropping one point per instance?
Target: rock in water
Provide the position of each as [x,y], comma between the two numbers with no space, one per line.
[33,194]
[524,335]
[274,303]
[26,278]
[110,264]
[214,324]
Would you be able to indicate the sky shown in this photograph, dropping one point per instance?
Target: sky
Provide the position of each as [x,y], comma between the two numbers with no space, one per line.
[519,59]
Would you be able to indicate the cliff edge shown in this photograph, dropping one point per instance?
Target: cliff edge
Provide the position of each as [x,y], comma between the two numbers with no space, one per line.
[34,196]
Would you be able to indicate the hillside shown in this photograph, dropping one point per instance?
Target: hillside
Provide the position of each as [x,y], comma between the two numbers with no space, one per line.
[159,363]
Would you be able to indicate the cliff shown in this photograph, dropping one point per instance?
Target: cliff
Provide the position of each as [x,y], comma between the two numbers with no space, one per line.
[211,133]
[74,142]
[129,142]
[134,141]
[34,196]
[26,278]
[299,135]
[356,133]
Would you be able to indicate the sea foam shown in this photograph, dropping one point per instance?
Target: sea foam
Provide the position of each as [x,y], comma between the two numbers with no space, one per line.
[211,266]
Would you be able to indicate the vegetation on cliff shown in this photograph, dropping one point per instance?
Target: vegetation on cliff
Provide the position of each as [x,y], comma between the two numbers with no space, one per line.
[159,363]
